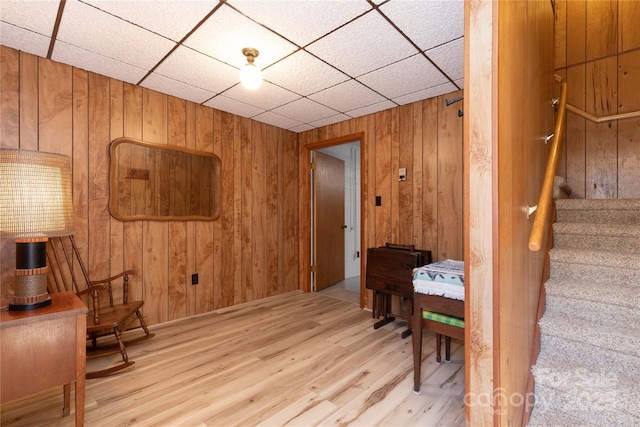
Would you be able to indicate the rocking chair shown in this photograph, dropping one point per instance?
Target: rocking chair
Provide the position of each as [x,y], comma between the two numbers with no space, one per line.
[106,320]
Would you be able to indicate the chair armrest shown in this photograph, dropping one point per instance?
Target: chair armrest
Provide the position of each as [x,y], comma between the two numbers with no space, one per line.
[92,289]
[112,278]
[125,285]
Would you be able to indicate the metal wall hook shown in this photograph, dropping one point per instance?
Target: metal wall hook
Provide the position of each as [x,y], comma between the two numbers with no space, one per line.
[452,101]
[548,138]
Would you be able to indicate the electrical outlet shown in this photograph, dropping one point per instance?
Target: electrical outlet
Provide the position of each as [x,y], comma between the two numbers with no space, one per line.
[194,279]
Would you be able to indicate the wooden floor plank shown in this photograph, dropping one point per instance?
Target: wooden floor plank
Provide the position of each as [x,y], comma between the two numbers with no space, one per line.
[295,359]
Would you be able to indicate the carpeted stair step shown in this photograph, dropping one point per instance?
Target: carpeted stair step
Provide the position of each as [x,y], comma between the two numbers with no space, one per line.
[605,237]
[593,407]
[601,333]
[589,265]
[585,387]
[594,310]
[547,417]
[618,361]
[624,295]
[618,211]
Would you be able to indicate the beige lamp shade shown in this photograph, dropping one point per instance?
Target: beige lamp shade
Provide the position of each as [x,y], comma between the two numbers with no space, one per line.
[35,194]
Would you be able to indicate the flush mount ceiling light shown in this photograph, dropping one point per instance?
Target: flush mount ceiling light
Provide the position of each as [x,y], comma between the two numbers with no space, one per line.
[250,75]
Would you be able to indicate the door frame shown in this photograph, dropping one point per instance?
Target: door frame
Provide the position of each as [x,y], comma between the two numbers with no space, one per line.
[304,212]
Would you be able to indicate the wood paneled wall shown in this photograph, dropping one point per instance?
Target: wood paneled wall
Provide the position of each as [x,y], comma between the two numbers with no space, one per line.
[425,137]
[509,64]
[251,252]
[598,53]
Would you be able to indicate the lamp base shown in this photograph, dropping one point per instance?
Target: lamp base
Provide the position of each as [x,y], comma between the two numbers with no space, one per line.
[31,306]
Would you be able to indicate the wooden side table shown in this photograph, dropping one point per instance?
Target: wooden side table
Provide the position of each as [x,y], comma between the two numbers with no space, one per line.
[44,348]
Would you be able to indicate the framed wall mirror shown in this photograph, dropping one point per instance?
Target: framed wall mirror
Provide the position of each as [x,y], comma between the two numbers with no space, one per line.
[162,182]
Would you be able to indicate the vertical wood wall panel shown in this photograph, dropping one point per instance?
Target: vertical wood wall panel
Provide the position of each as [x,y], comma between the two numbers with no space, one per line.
[601,142]
[405,160]
[217,225]
[601,28]
[273,239]
[382,141]
[601,38]
[258,211]
[155,259]
[576,43]
[98,241]
[116,108]
[628,18]
[133,248]
[80,160]
[237,210]
[629,130]
[246,219]
[204,229]
[191,238]
[227,214]
[177,280]
[28,109]
[430,176]
[449,180]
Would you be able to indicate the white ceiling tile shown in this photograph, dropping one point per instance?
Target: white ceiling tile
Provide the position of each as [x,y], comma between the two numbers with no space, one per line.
[361,49]
[291,18]
[170,18]
[232,106]
[25,40]
[331,120]
[302,128]
[267,96]
[304,74]
[347,96]
[176,88]
[21,14]
[304,110]
[88,28]
[427,23]
[370,109]
[419,72]
[188,66]
[227,32]
[450,58]
[90,61]
[425,94]
[274,119]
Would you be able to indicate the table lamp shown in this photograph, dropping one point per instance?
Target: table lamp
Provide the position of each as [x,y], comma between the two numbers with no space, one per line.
[35,204]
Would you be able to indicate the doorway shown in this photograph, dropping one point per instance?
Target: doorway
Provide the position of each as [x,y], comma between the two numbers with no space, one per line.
[348,285]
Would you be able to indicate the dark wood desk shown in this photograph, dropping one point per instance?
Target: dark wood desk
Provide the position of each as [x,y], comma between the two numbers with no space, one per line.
[44,348]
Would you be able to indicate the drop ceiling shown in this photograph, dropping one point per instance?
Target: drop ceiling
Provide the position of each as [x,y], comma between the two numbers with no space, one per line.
[323,61]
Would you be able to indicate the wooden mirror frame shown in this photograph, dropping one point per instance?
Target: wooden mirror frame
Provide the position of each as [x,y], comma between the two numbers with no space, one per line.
[162,182]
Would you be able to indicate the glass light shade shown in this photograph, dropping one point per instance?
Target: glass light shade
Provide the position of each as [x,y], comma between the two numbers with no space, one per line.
[250,76]
[35,194]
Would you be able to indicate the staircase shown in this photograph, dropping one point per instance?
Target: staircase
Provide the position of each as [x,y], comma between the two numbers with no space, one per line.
[588,369]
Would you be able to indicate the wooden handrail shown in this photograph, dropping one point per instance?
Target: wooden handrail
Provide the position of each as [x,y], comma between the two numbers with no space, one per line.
[593,118]
[546,194]
[597,119]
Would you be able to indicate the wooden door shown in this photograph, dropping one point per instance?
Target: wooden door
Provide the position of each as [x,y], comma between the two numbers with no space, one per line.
[329,220]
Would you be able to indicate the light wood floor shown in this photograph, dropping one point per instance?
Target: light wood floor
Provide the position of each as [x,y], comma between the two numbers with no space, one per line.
[296,359]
